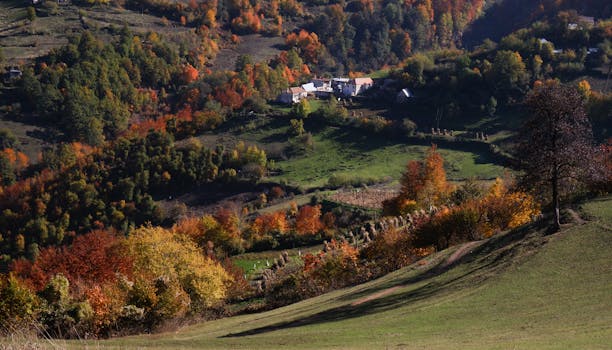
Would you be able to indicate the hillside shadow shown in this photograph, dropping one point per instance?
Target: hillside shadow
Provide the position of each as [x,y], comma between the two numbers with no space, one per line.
[493,254]
[350,311]
[361,141]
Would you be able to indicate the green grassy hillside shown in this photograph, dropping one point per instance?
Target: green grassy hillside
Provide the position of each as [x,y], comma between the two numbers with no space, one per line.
[350,152]
[519,290]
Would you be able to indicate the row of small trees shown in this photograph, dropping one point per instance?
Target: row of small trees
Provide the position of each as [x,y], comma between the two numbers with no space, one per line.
[230,232]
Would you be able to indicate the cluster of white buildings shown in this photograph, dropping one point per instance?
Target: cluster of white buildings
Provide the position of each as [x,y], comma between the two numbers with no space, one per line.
[323,88]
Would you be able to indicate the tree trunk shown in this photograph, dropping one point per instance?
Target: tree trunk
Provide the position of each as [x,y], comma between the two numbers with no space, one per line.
[555,202]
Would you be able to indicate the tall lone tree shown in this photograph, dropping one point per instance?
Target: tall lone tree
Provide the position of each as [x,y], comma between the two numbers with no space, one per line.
[556,143]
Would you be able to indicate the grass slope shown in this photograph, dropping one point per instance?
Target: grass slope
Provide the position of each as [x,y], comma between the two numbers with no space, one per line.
[348,151]
[519,290]
[351,153]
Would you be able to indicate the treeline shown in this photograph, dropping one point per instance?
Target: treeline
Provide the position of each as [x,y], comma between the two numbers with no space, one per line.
[80,188]
[106,284]
[92,92]
[353,35]
[503,17]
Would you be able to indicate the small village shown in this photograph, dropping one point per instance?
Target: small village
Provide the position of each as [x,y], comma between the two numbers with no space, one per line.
[325,87]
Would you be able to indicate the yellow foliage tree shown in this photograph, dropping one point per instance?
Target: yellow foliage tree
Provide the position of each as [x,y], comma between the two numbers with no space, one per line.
[507,209]
[172,270]
[584,88]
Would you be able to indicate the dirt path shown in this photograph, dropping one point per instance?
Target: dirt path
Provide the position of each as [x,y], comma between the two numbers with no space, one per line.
[377,295]
[458,254]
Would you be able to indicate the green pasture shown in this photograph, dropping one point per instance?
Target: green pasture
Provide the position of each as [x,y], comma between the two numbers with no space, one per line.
[349,152]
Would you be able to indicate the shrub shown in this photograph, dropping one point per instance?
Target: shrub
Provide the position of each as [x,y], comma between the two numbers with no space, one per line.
[450,227]
[61,315]
[7,139]
[18,305]
[336,268]
[408,127]
[296,127]
[391,249]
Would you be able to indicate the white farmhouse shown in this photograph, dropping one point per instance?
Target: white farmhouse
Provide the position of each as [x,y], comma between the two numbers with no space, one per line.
[292,95]
[309,87]
[357,86]
[323,88]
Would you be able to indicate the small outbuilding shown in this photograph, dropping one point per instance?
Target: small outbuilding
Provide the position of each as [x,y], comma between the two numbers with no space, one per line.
[404,96]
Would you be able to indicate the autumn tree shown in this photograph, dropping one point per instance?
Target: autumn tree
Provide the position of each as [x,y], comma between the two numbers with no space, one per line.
[555,146]
[423,184]
[308,220]
[270,223]
[171,275]
[189,74]
[508,74]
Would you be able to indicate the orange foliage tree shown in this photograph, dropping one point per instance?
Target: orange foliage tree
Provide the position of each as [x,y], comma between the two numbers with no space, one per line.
[423,184]
[308,44]
[435,188]
[308,220]
[270,223]
[91,259]
[189,74]
[248,22]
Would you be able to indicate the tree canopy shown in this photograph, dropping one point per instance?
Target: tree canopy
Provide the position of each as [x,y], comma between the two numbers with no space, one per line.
[556,144]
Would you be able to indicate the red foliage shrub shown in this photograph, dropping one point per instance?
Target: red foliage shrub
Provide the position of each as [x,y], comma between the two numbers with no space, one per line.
[94,257]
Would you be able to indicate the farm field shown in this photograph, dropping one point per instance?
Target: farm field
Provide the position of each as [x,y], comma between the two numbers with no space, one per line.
[255,262]
[521,289]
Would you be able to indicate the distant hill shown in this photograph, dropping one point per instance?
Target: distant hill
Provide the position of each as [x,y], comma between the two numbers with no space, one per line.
[502,17]
[522,289]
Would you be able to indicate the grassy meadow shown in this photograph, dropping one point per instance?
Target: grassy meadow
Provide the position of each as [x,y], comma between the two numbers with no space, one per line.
[346,151]
[517,290]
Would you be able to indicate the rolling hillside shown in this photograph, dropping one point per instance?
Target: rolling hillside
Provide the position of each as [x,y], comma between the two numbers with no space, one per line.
[521,290]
